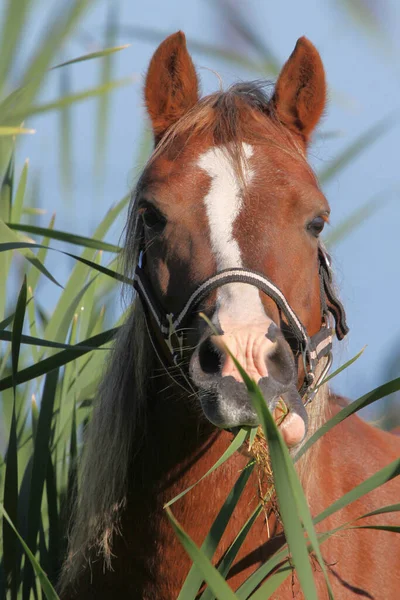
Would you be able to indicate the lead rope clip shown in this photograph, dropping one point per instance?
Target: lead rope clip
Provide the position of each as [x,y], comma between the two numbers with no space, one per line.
[310,395]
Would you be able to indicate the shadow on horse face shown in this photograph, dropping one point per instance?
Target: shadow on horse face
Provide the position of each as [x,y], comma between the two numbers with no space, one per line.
[229,187]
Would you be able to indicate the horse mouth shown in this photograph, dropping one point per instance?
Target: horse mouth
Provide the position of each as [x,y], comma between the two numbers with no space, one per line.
[227,405]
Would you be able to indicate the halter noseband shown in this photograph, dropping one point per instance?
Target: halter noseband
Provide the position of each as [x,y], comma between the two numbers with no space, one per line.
[312,349]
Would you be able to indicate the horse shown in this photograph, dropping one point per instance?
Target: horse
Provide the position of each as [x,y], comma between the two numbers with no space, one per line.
[224,221]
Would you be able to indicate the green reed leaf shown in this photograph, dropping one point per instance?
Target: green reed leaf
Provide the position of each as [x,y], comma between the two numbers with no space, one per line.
[11,566]
[194,578]
[6,194]
[41,457]
[234,445]
[354,220]
[343,367]
[364,141]
[273,582]
[215,581]
[292,503]
[230,555]
[92,55]
[79,273]
[58,360]
[47,588]
[10,241]
[366,400]
[34,274]
[13,22]
[28,339]
[64,236]
[74,98]
[156,36]
[17,206]
[15,107]
[24,245]
[65,136]
[106,69]
[5,131]
[377,479]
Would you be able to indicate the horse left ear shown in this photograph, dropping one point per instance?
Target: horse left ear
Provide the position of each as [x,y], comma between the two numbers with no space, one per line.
[300,92]
[172,87]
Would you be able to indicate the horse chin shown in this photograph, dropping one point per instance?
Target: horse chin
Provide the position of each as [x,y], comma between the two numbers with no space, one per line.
[227,405]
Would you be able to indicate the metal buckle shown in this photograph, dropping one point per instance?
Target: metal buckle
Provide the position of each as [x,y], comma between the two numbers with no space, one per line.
[310,395]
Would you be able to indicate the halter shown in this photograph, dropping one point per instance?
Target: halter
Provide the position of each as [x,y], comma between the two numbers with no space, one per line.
[312,349]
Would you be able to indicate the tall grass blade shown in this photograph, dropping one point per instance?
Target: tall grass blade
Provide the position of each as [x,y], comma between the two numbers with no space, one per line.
[220,588]
[17,206]
[235,445]
[389,472]
[349,154]
[64,101]
[156,36]
[233,550]
[12,131]
[17,245]
[41,457]
[292,502]
[14,109]
[34,274]
[92,55]
[54,534]
[236,17]
[103,103]
[13,23]
[79,274]
[58,360]
[47,588]
[354,220]
[63,236]
[27,339]
[194,579]
[11,241]
[343,367]
[6,194]
[280,558]
[366,400]
[65,136]
[11,476]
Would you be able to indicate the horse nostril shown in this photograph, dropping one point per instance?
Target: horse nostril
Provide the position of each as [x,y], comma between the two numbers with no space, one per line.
[209,358]
[280,364]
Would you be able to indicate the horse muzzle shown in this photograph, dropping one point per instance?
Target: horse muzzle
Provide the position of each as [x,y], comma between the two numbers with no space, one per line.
[268,359]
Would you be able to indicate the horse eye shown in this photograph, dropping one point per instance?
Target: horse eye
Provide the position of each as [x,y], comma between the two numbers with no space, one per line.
[316,226]
[152,218]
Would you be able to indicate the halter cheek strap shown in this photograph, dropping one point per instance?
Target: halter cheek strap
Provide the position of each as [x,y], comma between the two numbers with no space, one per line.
[312,349]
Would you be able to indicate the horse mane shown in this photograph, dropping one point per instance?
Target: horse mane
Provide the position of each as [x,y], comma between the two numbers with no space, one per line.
[119,417]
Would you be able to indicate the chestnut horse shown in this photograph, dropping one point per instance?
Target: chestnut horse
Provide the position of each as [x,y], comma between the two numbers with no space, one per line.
[225,219]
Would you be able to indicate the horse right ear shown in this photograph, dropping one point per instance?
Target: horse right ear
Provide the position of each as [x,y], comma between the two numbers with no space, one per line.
[172,87]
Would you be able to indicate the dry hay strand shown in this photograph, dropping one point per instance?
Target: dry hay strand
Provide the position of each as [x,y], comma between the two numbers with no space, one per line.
[259,451]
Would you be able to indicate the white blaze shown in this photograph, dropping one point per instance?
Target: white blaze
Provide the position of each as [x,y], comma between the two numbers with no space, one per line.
[236,302]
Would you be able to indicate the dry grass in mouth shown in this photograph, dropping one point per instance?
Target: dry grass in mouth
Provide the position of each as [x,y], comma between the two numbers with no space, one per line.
[258,450]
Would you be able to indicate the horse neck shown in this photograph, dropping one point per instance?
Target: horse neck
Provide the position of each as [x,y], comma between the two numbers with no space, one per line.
[180,443]
[177,437]
[179,447]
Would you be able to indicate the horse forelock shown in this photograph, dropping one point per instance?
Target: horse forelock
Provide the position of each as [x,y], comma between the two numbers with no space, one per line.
[224,117]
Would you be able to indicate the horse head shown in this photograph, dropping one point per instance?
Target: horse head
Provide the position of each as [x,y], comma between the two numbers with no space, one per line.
[229,213]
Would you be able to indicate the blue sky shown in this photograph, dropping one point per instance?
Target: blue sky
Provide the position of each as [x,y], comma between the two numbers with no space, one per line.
[364,82]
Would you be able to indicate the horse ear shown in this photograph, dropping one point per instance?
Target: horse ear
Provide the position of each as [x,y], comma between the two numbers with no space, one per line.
[300,92]
[171,87]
